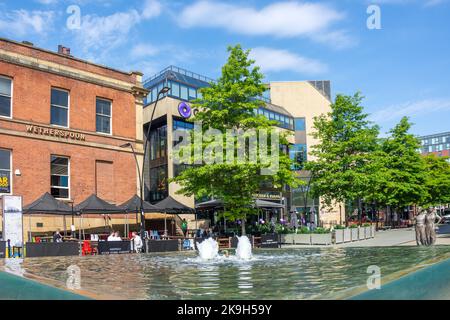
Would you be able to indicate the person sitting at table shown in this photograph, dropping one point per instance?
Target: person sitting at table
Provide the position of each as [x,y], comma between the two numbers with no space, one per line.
[111,236]
[137,241]
[117,236]
[57,237]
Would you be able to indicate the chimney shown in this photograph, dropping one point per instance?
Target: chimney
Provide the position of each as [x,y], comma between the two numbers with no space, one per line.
[63,50]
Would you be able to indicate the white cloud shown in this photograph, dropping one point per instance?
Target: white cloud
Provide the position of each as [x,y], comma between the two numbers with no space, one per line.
[143,50]
[107,32]
[22,22]
[47,1]
[415,108]
[425,3]
[275,60]
[283,19]
[151,9]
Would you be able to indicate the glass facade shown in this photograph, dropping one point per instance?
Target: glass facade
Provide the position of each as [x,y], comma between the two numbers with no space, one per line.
[436,143]
[181,125]
[5,171]
[284,121]
[186,86]
[59,107]
[103,116]
[59,177]
[158,143]
[300,124]
[5,97]
[298,154]
[158,183]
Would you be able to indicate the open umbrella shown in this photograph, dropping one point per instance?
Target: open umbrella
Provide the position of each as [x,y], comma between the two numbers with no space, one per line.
[170,205]
[47,204]
[96,205]
[134,205]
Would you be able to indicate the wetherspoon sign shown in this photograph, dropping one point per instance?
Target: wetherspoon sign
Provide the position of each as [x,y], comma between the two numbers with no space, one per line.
[56,133]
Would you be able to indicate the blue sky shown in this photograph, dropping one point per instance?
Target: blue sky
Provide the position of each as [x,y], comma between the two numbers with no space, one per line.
[402,68]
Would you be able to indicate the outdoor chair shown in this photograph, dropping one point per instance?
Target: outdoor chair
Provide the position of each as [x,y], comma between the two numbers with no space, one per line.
[86,248]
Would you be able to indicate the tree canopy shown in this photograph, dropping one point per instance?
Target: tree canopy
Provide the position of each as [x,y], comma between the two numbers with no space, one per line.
[229,106]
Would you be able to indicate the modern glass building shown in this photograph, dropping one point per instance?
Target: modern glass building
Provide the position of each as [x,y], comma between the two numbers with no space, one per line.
[292,105]
[438,144]
[185,86]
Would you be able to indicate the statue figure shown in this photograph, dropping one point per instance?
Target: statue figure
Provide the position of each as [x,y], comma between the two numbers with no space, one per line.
[421,239]
[430,226]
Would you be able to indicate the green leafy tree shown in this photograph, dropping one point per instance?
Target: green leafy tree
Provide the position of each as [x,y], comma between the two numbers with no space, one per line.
[437,181]
[402,169]
[231,104]
[343,165]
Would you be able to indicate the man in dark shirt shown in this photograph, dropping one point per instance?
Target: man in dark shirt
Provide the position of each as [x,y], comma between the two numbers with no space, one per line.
[57,237]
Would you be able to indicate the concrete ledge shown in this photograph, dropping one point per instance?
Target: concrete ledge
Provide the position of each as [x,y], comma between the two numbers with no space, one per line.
[16,288]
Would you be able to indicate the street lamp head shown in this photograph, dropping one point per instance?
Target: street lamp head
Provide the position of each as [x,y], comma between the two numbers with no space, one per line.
[126,145]
[164,90]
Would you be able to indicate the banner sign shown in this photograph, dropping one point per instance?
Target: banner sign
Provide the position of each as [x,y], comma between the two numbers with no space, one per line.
[2,249]
[5,182]
[12,220]
[111,247]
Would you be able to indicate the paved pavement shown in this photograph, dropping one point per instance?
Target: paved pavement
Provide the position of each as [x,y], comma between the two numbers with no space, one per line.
[388,238]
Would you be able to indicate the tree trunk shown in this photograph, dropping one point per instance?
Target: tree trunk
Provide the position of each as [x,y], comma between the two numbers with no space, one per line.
[243,232]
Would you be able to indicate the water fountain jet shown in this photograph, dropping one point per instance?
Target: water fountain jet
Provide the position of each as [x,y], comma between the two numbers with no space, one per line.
[244,248]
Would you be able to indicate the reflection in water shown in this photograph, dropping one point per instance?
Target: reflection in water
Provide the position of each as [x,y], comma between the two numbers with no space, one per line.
[269,274]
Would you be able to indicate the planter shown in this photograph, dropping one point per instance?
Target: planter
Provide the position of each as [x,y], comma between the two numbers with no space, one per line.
[302,238]
[361,233]
[339,236]
[368,232]
[373,231]
[324,239]
[347,235]
[354,234]
[287,238]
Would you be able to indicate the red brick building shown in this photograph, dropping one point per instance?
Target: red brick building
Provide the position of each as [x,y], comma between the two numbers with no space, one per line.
[62,124]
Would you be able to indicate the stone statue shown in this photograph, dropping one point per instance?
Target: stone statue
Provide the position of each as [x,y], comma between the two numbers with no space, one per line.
[421,239]
[430,226]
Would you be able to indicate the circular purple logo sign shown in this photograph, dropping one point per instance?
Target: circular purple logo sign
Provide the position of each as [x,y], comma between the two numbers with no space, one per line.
[184,110]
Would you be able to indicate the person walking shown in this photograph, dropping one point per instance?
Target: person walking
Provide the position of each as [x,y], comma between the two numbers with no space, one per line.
[184,227]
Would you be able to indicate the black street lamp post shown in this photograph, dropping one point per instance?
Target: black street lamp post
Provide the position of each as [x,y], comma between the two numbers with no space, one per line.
[163,91]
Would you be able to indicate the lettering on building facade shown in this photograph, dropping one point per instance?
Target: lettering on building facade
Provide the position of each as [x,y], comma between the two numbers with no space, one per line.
[56,133]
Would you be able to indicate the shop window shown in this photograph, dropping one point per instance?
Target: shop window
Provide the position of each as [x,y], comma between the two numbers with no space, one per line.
[5,171]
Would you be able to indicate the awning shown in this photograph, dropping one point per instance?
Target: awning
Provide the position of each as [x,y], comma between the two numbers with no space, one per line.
[47,204]
[219,204]
[170,205]
[134,205]
[94,204]
[268,204]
